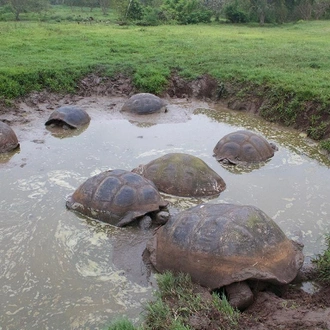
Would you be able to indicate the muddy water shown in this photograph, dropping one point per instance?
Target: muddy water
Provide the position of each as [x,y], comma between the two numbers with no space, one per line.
[64,271]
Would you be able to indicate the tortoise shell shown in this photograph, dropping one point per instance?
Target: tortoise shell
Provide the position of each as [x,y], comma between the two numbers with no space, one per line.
[8,138]
[184,175]
[144,104]
[69,115]
[219,244]
[116,197]
[243,147]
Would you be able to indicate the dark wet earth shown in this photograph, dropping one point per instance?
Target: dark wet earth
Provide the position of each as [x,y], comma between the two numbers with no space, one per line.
[64,271]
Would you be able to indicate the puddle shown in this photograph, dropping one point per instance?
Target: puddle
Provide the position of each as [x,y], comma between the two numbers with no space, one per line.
[63,271]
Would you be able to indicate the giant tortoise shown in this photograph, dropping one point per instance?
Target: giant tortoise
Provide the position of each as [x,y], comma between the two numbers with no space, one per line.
[183,175]
[224,245]
[243,147]
[144,104]
[70,116]
[8,138]
[118,197]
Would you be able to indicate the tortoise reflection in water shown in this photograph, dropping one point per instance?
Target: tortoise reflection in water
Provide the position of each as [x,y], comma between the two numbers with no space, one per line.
[8,138]
[226,245]
[243,147]
[119,197]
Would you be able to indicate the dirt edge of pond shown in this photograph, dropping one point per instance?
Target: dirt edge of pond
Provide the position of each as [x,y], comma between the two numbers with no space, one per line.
[292,308]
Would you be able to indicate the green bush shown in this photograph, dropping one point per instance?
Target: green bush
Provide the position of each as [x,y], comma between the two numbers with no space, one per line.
[235,15]
[150,17]
[135,10]
[186,11]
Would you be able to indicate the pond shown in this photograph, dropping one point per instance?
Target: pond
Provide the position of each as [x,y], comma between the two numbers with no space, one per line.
[64,271]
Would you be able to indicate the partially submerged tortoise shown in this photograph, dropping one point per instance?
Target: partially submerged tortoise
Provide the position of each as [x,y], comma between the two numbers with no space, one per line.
[8,138]
[144,104]
[183,175]
[119,197]
[224,245]
[70,116]
[243,147]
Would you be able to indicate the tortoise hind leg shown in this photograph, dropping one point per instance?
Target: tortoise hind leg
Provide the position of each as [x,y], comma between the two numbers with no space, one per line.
[239,295]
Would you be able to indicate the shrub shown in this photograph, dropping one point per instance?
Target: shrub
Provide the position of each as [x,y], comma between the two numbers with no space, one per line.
[234,14]
[186,11]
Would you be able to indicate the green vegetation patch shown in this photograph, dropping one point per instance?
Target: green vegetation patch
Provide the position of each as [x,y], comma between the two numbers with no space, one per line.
[180,304]
[283,69]
[322,263]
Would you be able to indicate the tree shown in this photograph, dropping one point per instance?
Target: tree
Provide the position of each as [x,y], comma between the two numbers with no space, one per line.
[320,7]
[105,5]
[22,6]
[215,6]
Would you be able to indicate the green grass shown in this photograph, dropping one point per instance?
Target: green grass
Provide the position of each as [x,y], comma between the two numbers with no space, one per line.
[322,263]
[294,57]
[179,305]
[288,66]
[121,324]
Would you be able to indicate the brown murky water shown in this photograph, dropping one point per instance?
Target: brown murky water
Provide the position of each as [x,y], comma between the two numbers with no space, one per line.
[63,271]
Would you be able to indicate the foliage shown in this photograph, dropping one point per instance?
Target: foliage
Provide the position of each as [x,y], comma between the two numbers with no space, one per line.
[325,144]
[151,16]
[134,10]
[121,324]
[20,6]
[322,263]
[186,11]
[178,301]
[215,6]
[235,14]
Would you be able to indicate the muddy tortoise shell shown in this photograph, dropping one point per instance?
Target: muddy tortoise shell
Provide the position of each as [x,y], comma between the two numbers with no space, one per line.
[243,147]
[117,197]
[144,104]
[183,175]
[8,138]
[70,115]
[220,244]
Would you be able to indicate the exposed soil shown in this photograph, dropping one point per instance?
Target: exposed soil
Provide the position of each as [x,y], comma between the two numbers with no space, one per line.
[293,308]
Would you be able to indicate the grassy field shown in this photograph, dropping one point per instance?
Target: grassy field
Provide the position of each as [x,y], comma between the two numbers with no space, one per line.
[290,63]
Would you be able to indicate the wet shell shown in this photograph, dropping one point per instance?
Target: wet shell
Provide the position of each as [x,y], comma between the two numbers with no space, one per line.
[243,147]
[219,244]
[69,115]
[8,138]
[182,175]
[144,104]
[116,197]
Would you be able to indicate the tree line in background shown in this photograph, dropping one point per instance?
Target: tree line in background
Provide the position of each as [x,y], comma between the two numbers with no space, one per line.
[156,12]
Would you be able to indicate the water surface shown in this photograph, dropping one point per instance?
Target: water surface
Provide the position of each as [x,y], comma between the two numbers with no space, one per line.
[64,271]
